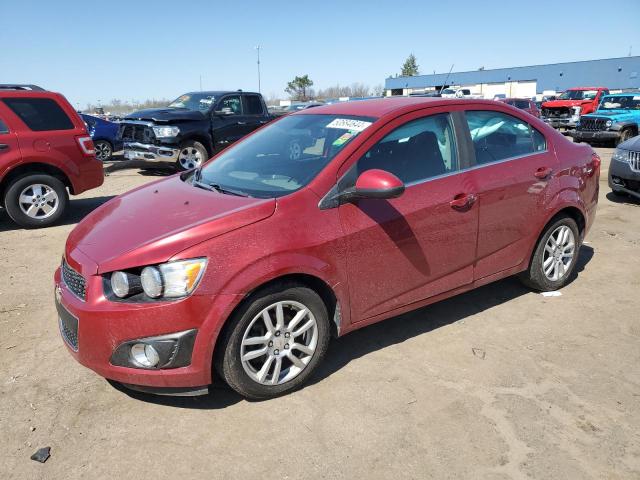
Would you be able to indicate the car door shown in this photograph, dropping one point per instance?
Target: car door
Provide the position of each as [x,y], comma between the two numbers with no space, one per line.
[9,149]
[407,249]
[254,114]
[228,127]
[512,169]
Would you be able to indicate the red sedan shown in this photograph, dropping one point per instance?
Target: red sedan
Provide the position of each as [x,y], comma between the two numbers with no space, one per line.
[525,104]
[252,263]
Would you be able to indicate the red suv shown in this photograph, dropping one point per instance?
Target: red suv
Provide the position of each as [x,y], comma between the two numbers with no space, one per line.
[44,150]
[249,264]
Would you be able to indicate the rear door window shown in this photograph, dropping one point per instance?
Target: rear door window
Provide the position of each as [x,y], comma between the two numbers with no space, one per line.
[497,136]
[253,105]
[40,114]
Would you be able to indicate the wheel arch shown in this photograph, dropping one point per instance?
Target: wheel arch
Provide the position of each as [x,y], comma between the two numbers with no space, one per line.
[203,139]
[33,168]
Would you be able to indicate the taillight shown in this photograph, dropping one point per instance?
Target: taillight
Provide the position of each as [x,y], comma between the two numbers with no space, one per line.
[86,145]
[595,158]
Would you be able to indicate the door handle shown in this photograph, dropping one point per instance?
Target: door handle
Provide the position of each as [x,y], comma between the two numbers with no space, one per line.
[543,172]
[242,123]
[463,201]
[4,146]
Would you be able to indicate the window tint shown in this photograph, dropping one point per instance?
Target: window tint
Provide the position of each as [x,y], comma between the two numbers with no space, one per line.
[418,150]
[523,104]
[498,136]
[232,102]
[253,105]
[3,127]
[40,114]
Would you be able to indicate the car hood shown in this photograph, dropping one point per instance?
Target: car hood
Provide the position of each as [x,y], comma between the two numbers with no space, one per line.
[153,223]
[617,115]
[166,114]
[564,103]
[631,144]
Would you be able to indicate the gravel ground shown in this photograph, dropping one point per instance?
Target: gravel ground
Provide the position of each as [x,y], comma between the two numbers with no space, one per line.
[496,383]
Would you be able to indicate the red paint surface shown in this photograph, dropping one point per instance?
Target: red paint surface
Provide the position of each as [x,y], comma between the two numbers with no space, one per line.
[380,257]
[58,149]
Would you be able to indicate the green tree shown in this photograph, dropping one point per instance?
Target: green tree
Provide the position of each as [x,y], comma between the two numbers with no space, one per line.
[410,67]
[298,88]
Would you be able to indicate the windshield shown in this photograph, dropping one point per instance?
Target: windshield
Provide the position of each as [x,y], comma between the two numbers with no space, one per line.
[284,156]
[579,95]
[193,101]
[630,102]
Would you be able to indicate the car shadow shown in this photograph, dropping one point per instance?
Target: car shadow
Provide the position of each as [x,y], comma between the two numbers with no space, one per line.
[375,337]
[627,199]
[77,209]
[156,169]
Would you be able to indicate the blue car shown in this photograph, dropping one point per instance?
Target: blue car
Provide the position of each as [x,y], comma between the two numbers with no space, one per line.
[616,119]
[104,135]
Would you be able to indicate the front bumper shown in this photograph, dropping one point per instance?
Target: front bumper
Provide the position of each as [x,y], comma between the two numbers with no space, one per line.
[103,326]
[623,179]
[597,136]
[555,122]
[148,152]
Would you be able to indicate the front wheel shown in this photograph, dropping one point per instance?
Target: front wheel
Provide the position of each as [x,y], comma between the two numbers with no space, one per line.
[274,342]
[554,257]
[625,135]
[35,201]
[192,155]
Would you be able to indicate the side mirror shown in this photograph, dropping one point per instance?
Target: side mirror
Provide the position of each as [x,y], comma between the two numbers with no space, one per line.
[374,184]
[225,111]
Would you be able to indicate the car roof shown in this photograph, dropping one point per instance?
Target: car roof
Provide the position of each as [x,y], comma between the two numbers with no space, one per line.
[588,88]
[623,94]
[380,107]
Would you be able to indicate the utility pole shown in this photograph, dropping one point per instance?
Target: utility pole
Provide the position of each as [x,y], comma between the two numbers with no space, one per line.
[258,49]
[200,82]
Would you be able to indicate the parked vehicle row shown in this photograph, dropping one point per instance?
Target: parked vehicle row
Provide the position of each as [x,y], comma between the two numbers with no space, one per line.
[565,111]
[391,205]
[45,154]
[104,134]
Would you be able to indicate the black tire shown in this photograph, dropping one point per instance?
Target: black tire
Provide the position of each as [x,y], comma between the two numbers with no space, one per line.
[534,277]
[104,150]
[12,200]
[625,135]
[182,164]
[228,362]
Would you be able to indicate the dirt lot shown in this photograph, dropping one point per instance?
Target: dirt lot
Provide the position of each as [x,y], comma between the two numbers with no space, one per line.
[497,383]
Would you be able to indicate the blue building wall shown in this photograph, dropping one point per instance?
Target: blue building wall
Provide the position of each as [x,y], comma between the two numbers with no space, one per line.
[614,73]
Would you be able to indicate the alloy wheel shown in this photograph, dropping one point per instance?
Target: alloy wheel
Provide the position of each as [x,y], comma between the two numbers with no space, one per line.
[38,201]
[295,151]
[279,343]
[190,157]
[103,151]
[559,252]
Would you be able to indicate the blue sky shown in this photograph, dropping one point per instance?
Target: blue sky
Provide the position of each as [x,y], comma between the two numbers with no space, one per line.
[93,50]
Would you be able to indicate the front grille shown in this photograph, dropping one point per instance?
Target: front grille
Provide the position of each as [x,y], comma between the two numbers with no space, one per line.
[68,327]
[633,158]
[74,281]
[134,132]
[561,112]
[593,124]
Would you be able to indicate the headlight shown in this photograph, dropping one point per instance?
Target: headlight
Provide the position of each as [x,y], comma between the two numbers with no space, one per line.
[619,155]
[166,131]
[608,123]
[167,280]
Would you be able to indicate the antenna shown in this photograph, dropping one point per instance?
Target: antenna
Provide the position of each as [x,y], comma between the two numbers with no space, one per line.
[446,78]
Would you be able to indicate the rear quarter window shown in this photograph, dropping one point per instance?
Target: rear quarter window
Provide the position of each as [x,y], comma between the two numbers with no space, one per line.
[3,127]
[40,114]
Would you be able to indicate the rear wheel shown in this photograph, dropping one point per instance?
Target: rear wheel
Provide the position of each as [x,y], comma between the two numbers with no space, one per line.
[274,342]
[104,150]
[192,155]
[36,200]
[554,257]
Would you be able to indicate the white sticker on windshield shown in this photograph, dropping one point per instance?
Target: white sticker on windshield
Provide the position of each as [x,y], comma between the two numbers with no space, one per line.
[349,124]
[636,98]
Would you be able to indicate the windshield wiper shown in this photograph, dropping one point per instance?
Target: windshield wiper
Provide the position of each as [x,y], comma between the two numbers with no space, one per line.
[213,187]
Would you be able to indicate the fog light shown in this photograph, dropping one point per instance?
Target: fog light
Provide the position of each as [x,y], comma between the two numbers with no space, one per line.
[151,282]
[120,284]
[145,355]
